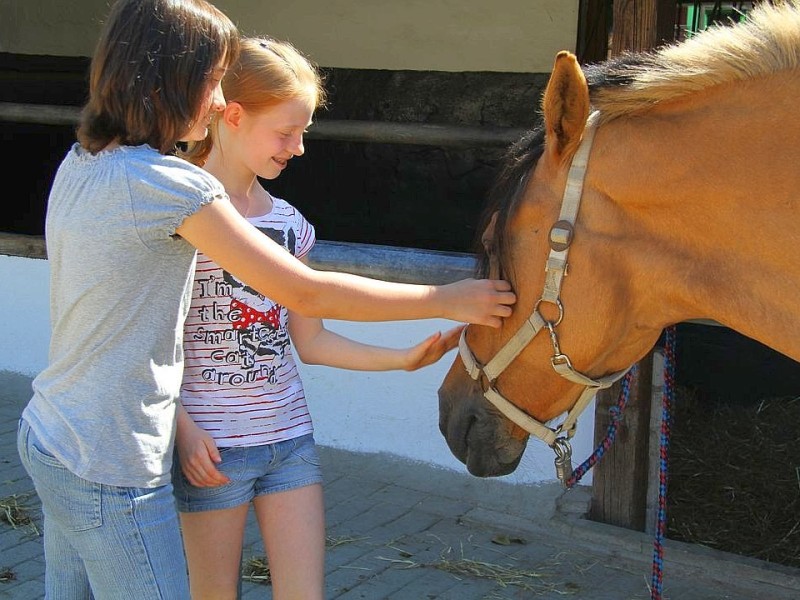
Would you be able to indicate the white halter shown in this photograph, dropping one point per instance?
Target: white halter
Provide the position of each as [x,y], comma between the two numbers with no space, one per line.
[555,270]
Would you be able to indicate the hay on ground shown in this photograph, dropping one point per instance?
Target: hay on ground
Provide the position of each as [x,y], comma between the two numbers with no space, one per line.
[734,476]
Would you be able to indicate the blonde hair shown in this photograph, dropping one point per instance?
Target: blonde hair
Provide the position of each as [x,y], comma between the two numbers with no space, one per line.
[267,72]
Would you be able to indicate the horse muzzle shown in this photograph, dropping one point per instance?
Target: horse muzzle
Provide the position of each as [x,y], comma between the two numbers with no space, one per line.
[476,433]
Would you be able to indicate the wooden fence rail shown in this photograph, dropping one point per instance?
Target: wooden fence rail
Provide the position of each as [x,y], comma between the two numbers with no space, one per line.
[381,132]
[406,265]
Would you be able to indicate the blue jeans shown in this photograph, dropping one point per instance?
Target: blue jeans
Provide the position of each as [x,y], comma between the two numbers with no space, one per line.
[104,542]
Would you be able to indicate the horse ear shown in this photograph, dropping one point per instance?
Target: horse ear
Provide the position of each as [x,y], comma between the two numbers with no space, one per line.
[565,106]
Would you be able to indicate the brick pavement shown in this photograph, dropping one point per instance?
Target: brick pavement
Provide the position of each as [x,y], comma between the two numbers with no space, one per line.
[402,530]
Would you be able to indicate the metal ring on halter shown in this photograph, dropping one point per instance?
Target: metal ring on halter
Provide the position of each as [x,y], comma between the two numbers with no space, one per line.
[560,311]
[562,448]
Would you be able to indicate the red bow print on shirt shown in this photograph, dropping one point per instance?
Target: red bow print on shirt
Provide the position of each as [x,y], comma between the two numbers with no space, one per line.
[250,315]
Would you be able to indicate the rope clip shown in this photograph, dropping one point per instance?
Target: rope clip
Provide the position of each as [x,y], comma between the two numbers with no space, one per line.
[563,461]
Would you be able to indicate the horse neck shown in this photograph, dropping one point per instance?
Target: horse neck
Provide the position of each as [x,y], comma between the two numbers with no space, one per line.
[702,199]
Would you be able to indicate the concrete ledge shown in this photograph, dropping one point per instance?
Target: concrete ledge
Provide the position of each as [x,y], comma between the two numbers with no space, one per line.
[683,558]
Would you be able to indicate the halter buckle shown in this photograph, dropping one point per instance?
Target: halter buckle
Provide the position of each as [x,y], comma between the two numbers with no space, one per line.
[561,234]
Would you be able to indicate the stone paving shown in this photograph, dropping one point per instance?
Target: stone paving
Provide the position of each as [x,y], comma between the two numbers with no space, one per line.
[403,530]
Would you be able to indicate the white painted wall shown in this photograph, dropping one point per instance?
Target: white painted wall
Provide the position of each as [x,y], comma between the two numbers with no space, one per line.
[25,310]
[388,412]
[424,35]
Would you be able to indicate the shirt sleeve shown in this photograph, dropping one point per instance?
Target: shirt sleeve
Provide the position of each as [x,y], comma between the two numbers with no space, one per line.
[163,193]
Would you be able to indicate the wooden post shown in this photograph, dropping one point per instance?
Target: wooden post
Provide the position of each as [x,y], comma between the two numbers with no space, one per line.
[594,24]
[656,418]
[621,479]
[642,24]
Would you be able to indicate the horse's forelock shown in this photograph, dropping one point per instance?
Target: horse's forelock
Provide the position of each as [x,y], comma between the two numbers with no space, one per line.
[504,196]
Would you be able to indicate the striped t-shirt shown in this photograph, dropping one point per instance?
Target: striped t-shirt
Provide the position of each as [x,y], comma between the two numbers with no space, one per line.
[240,381]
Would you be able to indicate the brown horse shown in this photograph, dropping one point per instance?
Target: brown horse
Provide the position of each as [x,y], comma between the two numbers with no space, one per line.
[690,209]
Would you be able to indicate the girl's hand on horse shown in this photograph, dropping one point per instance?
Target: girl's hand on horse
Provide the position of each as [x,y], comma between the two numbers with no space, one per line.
[478,301]
[432,348]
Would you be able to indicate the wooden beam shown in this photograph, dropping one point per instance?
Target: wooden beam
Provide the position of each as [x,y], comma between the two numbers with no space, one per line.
[406,265]
[594,24]
[641,25]
[379,132]
[25,246]
[654,460]
[621,480]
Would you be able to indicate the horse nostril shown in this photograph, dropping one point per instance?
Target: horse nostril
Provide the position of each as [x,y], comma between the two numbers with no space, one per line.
[456,431]
[471,421]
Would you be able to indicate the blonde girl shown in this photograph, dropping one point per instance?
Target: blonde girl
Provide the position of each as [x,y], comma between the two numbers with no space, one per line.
[246,436]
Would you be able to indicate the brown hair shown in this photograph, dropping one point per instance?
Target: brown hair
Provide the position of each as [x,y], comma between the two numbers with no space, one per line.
[150,71]
[267,73]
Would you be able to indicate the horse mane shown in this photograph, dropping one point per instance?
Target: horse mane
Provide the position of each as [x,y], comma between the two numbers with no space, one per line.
[767,42]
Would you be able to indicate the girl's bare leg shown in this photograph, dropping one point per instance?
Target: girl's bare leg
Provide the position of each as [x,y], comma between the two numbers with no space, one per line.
[213,542]
[292,525]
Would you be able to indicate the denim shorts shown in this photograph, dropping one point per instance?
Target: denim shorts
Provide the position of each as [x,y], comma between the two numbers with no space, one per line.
[253,471]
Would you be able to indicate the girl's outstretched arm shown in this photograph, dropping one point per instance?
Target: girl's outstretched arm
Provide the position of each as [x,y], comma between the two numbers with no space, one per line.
[228,239]
[317,345]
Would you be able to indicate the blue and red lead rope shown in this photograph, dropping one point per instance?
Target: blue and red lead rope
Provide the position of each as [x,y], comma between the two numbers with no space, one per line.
[656,587]
[611,432]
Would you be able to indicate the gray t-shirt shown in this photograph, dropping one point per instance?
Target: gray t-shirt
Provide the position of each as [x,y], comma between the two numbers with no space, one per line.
[120,289]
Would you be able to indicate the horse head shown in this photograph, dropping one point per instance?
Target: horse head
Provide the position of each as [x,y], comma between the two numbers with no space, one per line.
[562,342]
[686,177]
